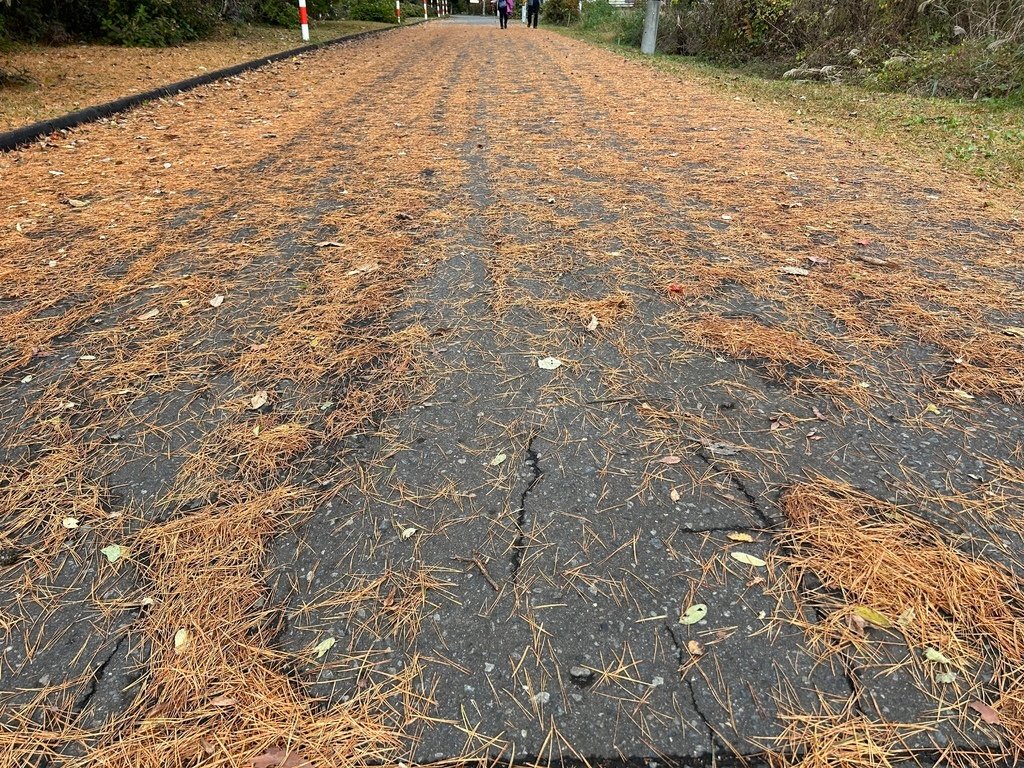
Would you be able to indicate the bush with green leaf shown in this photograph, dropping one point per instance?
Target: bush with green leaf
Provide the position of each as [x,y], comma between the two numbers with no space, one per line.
[372,10]
[561,12]
[158,22]
[599,14]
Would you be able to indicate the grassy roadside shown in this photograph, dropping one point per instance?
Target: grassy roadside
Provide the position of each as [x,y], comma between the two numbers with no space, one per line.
[984,138]
[66,78]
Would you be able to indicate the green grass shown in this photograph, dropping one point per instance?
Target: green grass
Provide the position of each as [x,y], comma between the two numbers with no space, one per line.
[984,138]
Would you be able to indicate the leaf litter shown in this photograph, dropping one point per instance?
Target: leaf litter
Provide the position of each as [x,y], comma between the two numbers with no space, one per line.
[798,354]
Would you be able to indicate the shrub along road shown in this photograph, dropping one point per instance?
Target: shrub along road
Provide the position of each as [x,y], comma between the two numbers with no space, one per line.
[551,407]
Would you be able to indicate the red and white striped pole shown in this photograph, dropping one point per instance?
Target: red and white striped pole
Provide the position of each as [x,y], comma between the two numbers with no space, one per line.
[398,10]
[304,21]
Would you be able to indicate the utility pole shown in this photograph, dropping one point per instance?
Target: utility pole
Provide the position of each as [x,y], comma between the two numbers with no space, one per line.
[650,38]
[304,21]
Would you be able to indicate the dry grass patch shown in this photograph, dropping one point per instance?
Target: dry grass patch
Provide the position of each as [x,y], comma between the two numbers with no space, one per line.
[782,352]
[43,501]
[879,566]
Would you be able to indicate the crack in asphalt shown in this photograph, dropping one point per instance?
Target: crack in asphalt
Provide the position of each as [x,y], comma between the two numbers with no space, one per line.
[97,676]
[740,486]
[752,501]
[519,545]
[700,714]
[678,645]
[675,643]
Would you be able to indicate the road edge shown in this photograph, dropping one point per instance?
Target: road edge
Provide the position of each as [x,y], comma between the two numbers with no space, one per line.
[19,137]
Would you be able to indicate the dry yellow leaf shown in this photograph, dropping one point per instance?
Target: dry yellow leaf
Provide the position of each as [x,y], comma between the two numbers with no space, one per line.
[746,559]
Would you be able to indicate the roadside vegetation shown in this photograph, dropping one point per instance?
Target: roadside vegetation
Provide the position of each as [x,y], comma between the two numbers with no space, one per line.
[57,56]
[960,100]
[159,23]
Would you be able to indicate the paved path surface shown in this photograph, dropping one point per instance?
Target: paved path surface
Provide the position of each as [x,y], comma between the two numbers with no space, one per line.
[289,469]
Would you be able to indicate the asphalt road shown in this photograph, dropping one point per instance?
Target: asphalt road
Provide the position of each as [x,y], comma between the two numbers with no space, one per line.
[518,344]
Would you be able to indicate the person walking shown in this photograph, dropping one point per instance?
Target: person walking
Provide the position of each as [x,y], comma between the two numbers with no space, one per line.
[532,12]
[503,11]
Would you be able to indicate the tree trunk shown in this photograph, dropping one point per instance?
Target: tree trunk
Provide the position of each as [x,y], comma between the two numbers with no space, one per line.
[650,38]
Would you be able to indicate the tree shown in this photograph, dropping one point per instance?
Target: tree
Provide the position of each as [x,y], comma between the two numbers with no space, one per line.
[650,38]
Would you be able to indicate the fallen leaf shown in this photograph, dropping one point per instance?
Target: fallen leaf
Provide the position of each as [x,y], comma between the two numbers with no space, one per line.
[1014,330]
[329,244]
[78,203]
[149,315]
[817,260]
[818,414]
[113,552]
[675,288]
[275,757]
[693,614]
[670,460]
[324,646]
[932,408]
[988,714]
[498,460]
[959,394]
[946,677]
[260,399]
[797,271]
[594,322]
[362,269]
[695,648]
[722,449]
[181,640]
[738,536]
[873,260]
[936,656]
[906,617]
[549,363]
[69,522]
[408,533]
[856,623]
[873,616]
[222,701]
[674,495]
[746,559]
[217,300]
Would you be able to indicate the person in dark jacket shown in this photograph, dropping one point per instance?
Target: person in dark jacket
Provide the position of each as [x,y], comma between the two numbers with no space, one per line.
[503,9]
[532,12]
